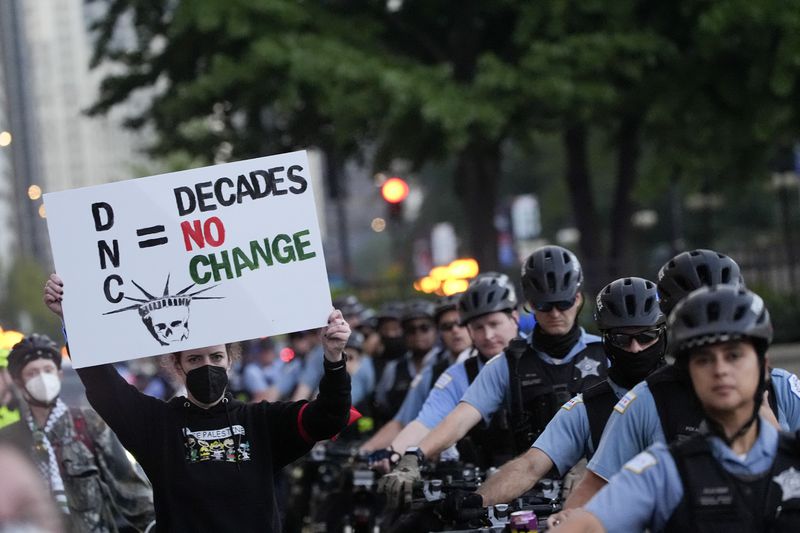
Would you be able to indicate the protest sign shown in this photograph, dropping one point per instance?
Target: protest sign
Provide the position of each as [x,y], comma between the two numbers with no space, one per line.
[189,259]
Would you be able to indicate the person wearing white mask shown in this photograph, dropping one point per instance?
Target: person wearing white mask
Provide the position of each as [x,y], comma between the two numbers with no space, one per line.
[81,460]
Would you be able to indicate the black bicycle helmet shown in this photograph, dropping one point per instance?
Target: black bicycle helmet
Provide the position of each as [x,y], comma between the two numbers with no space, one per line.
[349,305]
[417,309]
[717,314]
[489,295]
[628,302]
[489,274]
[390,311]
[445,304]
[30,348]
[551,274]
[355,341]
[691,270]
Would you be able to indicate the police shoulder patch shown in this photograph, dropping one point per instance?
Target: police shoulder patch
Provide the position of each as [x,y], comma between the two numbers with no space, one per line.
[794,384]
[625,401]
[573,402]
[641,462]
[443,381]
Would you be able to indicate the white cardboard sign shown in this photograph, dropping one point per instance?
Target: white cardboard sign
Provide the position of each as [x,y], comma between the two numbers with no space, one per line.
[189,259]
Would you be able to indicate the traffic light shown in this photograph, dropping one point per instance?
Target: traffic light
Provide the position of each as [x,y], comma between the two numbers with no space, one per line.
[394,192]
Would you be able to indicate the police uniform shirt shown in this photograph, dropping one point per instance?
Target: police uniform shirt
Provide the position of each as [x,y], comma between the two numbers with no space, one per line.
[489,392]
[362,382]
[313,368]
[445,394]
[259,378]
[390,371]
[420,388]
[648,489]
[568,438]
[634,423]
[415,398]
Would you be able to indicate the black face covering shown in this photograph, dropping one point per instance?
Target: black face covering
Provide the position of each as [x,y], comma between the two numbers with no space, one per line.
[557,346]
[393,347]
[207,383]
[628,369]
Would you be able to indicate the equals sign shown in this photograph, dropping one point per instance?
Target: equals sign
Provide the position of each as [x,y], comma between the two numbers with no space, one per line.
[152,230]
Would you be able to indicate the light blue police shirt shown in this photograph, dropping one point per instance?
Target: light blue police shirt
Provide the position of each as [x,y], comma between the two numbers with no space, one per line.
[313,368]
[363,380]
[489,392]
[446,393]
[634,423]
[390,371]
[648,489]
[568,437]
[420,388]
[259,378]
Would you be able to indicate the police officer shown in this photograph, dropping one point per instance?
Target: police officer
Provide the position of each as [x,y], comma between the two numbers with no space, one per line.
[307,380]
[737,473]
[488,310]
[632,325]
[531,380]
[419,334]
[456,343]
[661,408]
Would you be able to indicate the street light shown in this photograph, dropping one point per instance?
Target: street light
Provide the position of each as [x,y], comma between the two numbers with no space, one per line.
[5,138]
[34,192]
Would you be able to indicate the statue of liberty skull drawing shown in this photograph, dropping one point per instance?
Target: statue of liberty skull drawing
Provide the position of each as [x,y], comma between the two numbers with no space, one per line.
[166,317]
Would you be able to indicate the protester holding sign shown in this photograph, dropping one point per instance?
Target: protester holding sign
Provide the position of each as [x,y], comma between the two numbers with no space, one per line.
[211,458]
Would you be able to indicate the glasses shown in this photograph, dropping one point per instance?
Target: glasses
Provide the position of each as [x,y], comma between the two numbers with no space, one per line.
[623,340]
[546,307]
[448,326]
[419,328]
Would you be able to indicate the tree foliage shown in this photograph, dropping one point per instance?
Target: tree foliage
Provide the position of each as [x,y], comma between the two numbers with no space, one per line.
[710,87]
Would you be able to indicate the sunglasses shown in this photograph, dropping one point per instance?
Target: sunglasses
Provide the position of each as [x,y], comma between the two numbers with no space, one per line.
[447,326]
[546,307]
[623,340]
[419,328]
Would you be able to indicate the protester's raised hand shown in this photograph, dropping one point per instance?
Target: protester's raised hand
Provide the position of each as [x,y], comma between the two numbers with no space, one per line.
[54,294]
[335,335]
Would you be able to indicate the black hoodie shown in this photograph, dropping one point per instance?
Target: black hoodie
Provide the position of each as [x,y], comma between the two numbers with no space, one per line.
[212,469]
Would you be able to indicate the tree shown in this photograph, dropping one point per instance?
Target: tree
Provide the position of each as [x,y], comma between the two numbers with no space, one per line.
[710,85]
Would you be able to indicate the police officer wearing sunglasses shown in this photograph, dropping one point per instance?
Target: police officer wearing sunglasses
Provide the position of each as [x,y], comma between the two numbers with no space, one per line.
[419,333]
[662,408]
[632,325]
[456,343]
[737,473]
[526,384]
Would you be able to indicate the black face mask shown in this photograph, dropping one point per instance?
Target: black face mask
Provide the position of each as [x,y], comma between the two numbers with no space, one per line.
[557,346]
[628,369]
[393,347]
[207,383]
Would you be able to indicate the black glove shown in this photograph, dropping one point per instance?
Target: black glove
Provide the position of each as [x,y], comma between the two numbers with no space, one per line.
[457,501]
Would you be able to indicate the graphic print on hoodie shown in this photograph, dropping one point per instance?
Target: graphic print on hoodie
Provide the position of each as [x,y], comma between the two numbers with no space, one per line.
[216,445]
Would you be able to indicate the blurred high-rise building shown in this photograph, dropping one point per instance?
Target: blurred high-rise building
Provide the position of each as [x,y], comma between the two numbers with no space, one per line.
[47,47]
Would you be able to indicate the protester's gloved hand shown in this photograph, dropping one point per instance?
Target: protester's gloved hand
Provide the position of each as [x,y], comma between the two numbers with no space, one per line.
[457,501]
[398,485]
[382,461]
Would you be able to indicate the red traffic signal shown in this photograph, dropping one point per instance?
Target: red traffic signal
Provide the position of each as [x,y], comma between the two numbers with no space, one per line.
[394,190]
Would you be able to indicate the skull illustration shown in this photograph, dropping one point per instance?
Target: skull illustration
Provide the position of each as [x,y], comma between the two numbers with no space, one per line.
[167,319]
